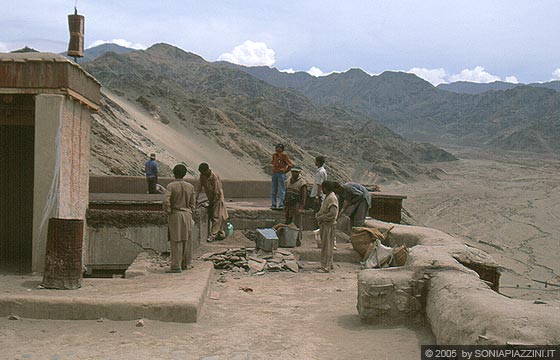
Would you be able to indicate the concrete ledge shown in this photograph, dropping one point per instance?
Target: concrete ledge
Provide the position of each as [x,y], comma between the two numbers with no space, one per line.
[116,237]
[156,296]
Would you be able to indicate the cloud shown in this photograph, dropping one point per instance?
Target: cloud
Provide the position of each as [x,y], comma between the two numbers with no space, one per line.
[315,71]
[435,76]
[120,42]
[3,47]
[512,79]
[477,75]
[556,74]
[250,53]
[288,71]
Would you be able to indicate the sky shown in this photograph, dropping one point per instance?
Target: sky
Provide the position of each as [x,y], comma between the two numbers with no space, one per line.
[441,41]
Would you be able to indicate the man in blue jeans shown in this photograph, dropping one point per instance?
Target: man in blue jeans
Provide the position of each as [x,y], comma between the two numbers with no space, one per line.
[281,164]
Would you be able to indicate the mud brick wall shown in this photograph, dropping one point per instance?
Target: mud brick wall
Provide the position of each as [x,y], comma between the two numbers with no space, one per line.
[390,297]
[137,185]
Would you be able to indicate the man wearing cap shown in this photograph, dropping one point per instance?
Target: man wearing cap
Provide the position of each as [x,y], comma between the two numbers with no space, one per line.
[151,169]
[296,194]
[179,205]
[281,164]
[217,212]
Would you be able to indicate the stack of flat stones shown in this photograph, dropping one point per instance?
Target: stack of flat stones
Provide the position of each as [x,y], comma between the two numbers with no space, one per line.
[252,260]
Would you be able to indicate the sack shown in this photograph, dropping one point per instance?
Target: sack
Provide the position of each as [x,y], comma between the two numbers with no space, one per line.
[381,256]
[363,237]
[400,255]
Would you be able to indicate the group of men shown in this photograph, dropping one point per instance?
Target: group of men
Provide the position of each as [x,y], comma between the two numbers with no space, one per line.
[180,203]
[291,195]
[181,199]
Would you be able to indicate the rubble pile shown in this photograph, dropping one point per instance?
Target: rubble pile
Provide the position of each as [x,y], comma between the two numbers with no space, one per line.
[252,260]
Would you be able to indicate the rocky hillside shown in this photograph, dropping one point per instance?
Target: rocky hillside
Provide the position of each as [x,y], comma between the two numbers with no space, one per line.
[117,147]
[523,118]
[239,118]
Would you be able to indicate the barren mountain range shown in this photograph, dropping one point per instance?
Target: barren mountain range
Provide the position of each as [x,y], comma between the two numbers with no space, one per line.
[523,118]
[476,88]
[227,113]
[241,116]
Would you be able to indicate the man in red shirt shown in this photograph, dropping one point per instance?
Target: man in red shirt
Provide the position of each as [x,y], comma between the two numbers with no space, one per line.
[281,164]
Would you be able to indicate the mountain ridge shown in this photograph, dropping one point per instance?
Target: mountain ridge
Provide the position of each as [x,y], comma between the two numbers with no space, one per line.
[417,110]
[466,87]
[246,116]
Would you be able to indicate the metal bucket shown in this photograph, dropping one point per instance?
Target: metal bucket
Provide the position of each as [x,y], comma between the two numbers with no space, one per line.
[288,237]
[63,260]
[267,239]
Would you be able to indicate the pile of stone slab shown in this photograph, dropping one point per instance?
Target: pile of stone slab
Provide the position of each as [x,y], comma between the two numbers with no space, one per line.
[252,260]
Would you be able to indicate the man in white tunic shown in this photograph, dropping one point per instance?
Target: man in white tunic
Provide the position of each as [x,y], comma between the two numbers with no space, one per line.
[320,176]
[326,217]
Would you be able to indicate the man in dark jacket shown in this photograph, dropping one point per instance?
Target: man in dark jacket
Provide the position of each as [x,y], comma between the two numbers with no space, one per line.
[151,169]
[356,202]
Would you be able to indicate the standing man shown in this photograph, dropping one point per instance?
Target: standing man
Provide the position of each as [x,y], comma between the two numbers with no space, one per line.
[179,204]
[320,176]
[281,164]
[326,217]
[357,201]
[151,169]
[217,213]
[296,194]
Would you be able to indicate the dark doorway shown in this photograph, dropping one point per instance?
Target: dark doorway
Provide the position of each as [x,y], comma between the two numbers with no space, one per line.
[17,146]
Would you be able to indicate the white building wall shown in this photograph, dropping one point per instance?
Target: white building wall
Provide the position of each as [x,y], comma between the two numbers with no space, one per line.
[61,166]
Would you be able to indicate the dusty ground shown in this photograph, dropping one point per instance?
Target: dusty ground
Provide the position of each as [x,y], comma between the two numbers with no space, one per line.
[308,315]
[507,204]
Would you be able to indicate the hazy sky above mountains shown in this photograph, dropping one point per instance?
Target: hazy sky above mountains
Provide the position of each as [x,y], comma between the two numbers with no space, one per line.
[439,40]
